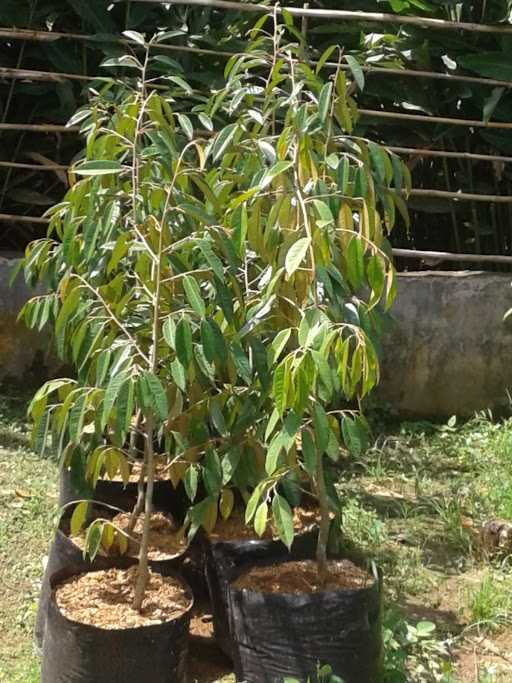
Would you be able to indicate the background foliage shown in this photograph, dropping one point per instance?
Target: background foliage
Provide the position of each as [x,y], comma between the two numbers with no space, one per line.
[437,224]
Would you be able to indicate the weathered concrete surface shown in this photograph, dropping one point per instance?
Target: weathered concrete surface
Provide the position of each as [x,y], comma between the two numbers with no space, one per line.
[25,355]
[449,350]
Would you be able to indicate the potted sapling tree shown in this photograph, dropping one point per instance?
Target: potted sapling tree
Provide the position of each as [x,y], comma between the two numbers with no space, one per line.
[309,211]
[134,270]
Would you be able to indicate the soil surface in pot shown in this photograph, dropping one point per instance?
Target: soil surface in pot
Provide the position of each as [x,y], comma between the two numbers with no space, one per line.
[165,541]
[302,577]
[161,471]
[235,529]
[104,599]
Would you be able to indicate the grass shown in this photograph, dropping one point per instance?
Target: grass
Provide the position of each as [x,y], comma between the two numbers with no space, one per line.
[27,511]
[414,501]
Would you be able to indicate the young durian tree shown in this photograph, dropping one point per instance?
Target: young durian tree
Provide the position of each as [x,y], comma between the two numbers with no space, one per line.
[310,205]
[147,305]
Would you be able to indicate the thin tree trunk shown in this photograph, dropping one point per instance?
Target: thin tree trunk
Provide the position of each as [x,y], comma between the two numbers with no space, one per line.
[143,571]
[325,522]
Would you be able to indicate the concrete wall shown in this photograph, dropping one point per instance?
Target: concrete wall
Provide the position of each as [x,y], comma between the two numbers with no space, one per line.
[25,356]
[449,350]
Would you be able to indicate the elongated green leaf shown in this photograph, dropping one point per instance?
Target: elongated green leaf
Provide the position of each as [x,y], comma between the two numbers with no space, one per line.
[308,452]
[322,429]
[183,342]
[355,262]
[283,520]
[190,481]
[213,342]
[296,255]
[223,140]
[260,519]
[193,294]
[324,102]
[100,167]
[78,518]
[357,71]
[277,346]
[158,395]
[186,125]
[355,435]
[111,394]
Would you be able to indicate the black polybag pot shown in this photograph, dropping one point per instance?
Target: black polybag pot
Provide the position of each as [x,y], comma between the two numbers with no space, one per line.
[64,553]
[224,559]
[114,492]
[79,653]
[277,636]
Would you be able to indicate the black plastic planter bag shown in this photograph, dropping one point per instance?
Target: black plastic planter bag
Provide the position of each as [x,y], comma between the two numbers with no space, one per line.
[78,653]
[277,636]
[224,559]
[64,553]
[165,496]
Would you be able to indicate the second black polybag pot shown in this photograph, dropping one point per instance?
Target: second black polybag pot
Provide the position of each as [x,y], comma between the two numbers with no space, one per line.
[278,636]
[79,653]
[225,559]
[114,492]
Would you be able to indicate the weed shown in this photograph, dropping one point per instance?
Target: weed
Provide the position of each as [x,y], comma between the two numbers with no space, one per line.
[490,603]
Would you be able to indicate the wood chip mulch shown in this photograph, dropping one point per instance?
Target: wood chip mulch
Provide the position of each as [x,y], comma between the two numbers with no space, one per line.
[104,599]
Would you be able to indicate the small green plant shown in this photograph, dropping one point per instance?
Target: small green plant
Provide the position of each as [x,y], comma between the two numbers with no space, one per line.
[412,653]
[490,602]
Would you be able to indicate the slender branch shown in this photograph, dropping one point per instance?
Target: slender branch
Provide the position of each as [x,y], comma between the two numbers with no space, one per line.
[341,15]
[449,256]
[113,316]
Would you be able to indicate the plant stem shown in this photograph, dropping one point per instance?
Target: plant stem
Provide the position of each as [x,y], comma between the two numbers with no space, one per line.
[325,522]
[139,505]
[143,572]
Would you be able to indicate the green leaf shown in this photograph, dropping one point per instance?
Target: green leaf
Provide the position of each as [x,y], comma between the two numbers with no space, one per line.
[136,37]
[296,254]
[378,161]
[356,70]
[283,519]
[324,57]
[308,452]
[186,126]
[157,398]
[273,453]
[355,262]
[78,518]
[190,482]
[179,375]
[355,435]
[99,167]
[213,342]
[223,140]
[276,170]
[322,429]
[212,473]
[277,345]
[184,350]
[324,102]
[169,332]
[376,275]
[93,539]
[252,503]
[111,394]
[260,519]
[193,294]
[280,387]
